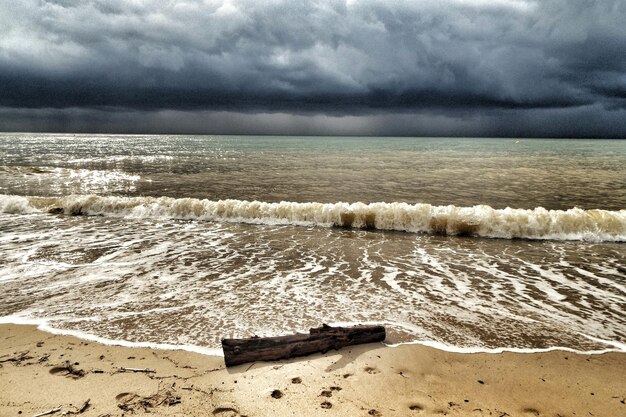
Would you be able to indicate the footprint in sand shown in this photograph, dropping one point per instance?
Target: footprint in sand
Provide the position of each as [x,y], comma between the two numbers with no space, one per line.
[125,397]
[131,402]
[371,370]
[69,370]
[225,412]
[416,407]
[326,405]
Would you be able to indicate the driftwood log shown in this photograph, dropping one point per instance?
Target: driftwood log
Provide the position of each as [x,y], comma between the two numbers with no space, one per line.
[321,339]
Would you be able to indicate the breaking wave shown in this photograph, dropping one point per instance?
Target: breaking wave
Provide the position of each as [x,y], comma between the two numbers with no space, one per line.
[484,221]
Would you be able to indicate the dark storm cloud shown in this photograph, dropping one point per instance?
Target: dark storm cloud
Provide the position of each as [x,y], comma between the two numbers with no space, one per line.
[474,66]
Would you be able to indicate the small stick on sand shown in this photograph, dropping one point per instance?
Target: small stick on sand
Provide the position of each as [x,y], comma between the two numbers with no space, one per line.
[51,411]
[146,370]
[22,356]
[85,406]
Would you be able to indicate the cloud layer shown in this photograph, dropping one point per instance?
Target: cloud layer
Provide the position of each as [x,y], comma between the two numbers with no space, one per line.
[500,67]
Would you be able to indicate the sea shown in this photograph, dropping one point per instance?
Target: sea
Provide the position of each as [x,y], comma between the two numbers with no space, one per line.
[467,244]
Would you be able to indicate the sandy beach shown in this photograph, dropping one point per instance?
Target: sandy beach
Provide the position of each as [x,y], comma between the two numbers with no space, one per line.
[44,372]
[446,178]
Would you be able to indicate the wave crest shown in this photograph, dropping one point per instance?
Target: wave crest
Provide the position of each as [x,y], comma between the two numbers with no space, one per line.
[484,221]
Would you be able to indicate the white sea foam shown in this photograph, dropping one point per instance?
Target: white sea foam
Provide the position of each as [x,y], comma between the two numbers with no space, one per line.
[44,326]
[189,283]
[539,223]
[457,349]
[14,204]
[615,346]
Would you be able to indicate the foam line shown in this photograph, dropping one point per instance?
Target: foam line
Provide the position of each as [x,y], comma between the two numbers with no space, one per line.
[618,347]
[457,349]
[45,327]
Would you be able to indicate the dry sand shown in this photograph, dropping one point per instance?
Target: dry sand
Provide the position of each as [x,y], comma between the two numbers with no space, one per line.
[42,372]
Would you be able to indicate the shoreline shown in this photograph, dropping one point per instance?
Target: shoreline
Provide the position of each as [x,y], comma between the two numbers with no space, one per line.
[43,371]
[41,325]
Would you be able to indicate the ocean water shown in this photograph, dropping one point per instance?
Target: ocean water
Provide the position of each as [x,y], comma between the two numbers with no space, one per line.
[471,244]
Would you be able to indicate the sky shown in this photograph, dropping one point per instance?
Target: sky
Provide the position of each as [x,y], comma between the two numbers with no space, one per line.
[511,68]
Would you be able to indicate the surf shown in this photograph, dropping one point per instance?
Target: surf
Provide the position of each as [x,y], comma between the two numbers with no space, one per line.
[482,221]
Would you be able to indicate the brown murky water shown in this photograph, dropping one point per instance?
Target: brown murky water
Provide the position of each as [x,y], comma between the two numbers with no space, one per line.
[160,256]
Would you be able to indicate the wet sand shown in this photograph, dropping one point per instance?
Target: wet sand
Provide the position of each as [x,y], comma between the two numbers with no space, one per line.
[42,372]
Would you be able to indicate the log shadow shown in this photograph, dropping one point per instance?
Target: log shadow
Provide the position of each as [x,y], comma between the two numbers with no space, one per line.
[347,355]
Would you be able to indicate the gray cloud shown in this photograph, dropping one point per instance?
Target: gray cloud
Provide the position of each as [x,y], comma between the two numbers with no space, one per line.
[481,67]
